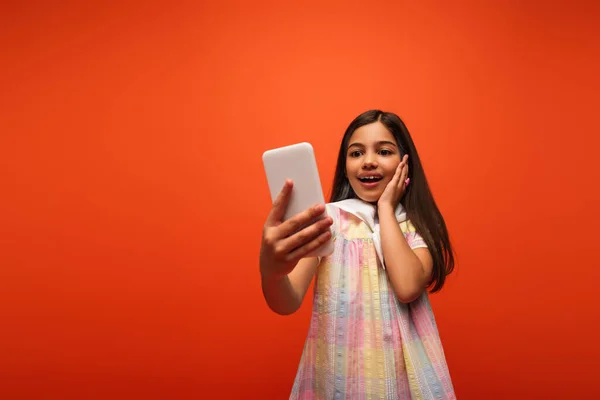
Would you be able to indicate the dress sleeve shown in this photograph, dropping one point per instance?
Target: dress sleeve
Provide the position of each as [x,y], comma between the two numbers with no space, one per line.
[413,238]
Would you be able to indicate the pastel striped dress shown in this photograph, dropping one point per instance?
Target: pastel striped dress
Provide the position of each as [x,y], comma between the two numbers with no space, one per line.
[362,342]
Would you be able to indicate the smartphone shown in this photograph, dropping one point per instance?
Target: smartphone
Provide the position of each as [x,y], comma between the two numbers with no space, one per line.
[298,163]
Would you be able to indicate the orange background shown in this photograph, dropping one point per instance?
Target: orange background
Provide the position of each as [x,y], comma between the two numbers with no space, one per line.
[133,196]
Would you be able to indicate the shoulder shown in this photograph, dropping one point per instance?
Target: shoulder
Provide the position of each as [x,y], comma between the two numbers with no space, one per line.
[340,215]
[414,239]
[335,214]
[348,208]
[407,227]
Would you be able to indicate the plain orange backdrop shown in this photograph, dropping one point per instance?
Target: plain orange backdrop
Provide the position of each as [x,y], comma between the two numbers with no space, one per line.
[132,193]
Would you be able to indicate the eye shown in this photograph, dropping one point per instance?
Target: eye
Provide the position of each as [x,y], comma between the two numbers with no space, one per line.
[385,152]
[354,154]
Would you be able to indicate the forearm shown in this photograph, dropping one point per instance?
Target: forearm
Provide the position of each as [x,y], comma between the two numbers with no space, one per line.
[405,270]
[285,295]
[280,295]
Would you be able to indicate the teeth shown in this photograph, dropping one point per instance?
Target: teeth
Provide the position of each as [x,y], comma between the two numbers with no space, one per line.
[367,178]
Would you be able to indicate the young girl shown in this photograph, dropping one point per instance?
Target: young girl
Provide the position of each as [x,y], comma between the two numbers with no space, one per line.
[372,333]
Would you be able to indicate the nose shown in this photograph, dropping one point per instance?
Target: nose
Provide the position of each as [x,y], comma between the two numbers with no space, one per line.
[369,162]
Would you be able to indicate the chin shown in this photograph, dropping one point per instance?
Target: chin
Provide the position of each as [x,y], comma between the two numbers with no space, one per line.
[373,199]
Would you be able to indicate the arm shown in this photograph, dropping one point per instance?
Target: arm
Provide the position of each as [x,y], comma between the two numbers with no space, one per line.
[409,270]
[284,295]
[285,269]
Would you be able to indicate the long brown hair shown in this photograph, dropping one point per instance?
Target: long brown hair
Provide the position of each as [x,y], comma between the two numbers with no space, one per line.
[418,200]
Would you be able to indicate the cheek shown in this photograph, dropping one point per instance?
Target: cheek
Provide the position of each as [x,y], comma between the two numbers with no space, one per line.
[350,168]
[392,166]
[387,180]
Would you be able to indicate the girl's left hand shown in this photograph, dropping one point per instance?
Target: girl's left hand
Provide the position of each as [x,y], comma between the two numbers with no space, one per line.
[396,187]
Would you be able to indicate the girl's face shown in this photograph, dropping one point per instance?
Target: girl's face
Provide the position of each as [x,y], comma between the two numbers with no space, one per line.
[371,160]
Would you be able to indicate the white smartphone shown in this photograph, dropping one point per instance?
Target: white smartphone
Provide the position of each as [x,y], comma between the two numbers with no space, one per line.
[298,163]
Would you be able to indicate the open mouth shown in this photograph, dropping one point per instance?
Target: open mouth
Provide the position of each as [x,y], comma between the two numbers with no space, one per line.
[370,179]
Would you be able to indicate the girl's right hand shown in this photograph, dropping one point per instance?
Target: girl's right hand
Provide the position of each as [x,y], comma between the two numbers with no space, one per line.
[281,248]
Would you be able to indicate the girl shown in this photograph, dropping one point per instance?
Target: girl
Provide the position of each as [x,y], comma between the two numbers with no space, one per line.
[372,333]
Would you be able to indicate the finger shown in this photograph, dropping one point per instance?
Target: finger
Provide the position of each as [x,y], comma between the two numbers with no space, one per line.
[280,204]
[403,176]
[403,173]
[301,252]
[298,221]
[307,234]
[396,176]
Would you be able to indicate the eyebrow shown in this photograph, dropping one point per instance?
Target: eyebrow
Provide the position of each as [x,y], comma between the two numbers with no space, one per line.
[378,143]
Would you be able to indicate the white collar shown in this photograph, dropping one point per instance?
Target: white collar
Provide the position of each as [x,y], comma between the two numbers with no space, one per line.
[367,213]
